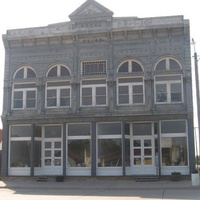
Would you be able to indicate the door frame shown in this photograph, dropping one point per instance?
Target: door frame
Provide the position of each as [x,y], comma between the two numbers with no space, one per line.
[143,169]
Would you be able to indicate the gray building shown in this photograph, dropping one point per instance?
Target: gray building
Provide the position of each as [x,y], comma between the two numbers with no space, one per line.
[98,96]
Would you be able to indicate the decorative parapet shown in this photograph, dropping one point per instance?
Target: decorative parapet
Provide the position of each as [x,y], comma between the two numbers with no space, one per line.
[68,28]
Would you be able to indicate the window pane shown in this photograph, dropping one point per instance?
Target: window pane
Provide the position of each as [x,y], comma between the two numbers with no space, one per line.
[37,153]
[30,73]
[20,153]
[101,96]
[53,132]
[51,98]
[137,143]
[30,99]
[18,100]
[86,91]
[123,67]
[176,97]
[64,97]
[137,89]
[21,131]
[101,91]
[174,65]
[161,65]
[124,99]
[176,92]
[173,127]
[130,80]
[24,85]
[18,95]
[101,100]
[174,151]
[142,129]
[86,96]
[78,129]
[127,153]
[127,129]
[109,129]
[136,67]
[64,71]
[51,93]
[38,131]
[52,72]
[79,153]
[86,101]
[19,74]
[161,93]
[137,98]
[109,153]
[57,84]
[123,90]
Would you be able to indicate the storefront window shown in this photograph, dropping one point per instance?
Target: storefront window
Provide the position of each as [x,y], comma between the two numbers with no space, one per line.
[79,145]
[20,152]
[174,143]
[79,153]
[174,151]
[109,145]
[20,146]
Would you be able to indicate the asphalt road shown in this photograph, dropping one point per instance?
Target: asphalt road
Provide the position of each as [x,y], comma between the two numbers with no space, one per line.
[99,194]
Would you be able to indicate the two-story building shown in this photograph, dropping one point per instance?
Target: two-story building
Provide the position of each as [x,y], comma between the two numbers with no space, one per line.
[98,95]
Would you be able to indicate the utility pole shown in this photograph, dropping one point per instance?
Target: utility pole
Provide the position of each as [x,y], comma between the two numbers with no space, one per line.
[197,96]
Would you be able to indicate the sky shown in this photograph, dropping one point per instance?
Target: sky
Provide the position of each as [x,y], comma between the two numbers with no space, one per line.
[15,14]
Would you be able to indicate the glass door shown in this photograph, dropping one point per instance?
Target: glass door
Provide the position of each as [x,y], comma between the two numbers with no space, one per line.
[52,153]
[143,159]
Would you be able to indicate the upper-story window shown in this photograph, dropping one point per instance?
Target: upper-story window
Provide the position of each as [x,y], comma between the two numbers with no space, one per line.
[24,73]
[58,88]
[168,81]
[93,67]
[130,83]
[93,92]
[24,89]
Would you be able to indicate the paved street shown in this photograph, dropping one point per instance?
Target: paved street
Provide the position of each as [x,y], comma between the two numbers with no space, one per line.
[98,190]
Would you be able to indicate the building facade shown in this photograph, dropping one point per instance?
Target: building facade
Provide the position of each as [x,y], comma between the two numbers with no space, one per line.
[98,96]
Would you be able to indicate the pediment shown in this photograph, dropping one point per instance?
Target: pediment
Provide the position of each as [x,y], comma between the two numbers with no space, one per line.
[90,9]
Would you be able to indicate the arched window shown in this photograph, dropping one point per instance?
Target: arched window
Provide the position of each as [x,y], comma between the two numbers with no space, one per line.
[168,81]
[24,92]
[130,66]
[58,92]
[130,86]
[24,73]
[58,71]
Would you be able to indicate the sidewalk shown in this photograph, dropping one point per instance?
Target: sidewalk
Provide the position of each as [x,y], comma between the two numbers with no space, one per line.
[52,184]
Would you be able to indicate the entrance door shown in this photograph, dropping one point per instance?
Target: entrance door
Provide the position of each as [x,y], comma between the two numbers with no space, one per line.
[52,160]
[143,156]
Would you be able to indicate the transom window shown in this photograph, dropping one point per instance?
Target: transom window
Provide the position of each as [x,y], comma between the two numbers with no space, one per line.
[130,66]
[93,92]
[168,86]
[94,67]
[58,71]
[24,73]
[130,88]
